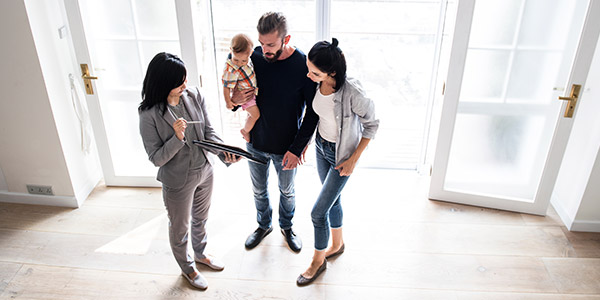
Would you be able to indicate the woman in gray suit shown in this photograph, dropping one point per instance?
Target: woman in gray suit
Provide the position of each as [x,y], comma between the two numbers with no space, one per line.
[185,170]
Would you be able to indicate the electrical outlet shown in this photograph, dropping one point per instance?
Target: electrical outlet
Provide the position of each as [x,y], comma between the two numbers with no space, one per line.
[40,189]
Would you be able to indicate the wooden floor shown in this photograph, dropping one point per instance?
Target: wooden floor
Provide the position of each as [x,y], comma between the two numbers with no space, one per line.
[399,245]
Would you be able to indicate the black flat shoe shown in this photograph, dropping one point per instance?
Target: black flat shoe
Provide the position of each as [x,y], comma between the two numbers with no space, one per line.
[302,281]
[257,236]
[292,240]
[336,253]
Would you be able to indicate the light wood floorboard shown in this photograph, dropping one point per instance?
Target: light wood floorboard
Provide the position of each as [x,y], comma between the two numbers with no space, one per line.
[399,245]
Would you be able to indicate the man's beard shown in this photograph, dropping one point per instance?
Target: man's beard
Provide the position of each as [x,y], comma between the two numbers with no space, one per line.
[275,57]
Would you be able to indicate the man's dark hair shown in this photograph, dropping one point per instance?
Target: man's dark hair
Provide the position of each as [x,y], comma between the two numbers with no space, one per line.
[271,22]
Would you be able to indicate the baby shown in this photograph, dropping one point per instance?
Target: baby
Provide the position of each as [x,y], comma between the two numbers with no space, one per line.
[239,73]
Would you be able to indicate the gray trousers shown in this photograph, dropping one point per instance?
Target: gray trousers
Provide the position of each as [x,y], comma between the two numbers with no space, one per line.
[191,201]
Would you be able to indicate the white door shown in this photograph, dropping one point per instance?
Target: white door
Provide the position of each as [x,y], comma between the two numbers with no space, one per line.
[117,39]
[503,131]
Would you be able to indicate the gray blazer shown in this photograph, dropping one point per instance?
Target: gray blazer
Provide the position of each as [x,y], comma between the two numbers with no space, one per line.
[164,149]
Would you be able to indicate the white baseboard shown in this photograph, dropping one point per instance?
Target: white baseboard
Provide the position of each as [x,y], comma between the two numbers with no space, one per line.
[562,213]
[82,193]
[574,225]
[586,226]
[63,201]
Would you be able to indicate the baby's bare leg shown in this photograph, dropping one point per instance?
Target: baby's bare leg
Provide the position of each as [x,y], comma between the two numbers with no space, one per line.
[253,115]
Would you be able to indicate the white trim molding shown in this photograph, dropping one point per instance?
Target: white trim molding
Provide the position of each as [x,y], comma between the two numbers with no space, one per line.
[323,19]
[62,201]
[585,226]
[562,212]
[570,222]
[82,193]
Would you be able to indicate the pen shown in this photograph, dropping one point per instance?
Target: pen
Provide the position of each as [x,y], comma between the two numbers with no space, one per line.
[192,122]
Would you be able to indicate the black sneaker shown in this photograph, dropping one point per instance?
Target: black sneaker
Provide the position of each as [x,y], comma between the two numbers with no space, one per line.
[258,235]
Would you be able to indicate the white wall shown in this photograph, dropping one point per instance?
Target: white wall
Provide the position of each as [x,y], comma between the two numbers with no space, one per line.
[57,59]
[588,214]
[576,196]
[31,151]
[36,149]
[3,186]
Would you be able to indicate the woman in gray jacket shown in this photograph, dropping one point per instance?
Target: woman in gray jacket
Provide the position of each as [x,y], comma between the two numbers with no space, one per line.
[346,125]
[185,170]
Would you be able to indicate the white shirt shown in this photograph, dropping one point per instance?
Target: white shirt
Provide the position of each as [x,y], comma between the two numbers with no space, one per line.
[323,106]
[355,113]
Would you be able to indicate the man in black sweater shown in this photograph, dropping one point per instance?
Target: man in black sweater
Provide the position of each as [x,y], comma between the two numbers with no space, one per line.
[287,122]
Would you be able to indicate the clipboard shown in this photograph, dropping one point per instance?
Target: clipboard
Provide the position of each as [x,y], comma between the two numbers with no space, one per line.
[210,145]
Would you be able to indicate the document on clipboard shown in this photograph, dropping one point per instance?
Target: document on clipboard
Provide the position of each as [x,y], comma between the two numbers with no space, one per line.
[210,145]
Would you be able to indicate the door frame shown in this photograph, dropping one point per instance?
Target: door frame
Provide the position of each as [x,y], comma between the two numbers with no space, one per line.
[579,70]
[77,27]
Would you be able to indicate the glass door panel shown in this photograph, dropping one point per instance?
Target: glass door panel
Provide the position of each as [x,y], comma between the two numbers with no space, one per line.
[505,13]
[390,47]
[484,86]
[522,88]
[547,25]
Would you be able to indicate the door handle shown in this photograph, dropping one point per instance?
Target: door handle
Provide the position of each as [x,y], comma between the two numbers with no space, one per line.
[87,79]
[575,89]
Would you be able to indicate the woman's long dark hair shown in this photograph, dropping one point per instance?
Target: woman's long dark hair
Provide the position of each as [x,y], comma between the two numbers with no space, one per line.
[329,59]
[165,72]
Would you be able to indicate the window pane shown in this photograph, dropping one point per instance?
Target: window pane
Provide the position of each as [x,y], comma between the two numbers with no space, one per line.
[110,18]
[391,17]
[524,86]
[150,49]
[540,28]
[155,19]
[128,154]
[484,76]
[508,145]
[497,16]
[390,46]
[118,64]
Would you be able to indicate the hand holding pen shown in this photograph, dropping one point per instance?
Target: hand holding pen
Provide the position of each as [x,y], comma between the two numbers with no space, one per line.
[179,126]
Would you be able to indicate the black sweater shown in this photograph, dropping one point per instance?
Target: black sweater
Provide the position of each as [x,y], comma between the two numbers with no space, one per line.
[284,92]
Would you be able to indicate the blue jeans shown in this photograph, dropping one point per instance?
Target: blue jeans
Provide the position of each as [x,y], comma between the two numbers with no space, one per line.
[260,177]
[328,208]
